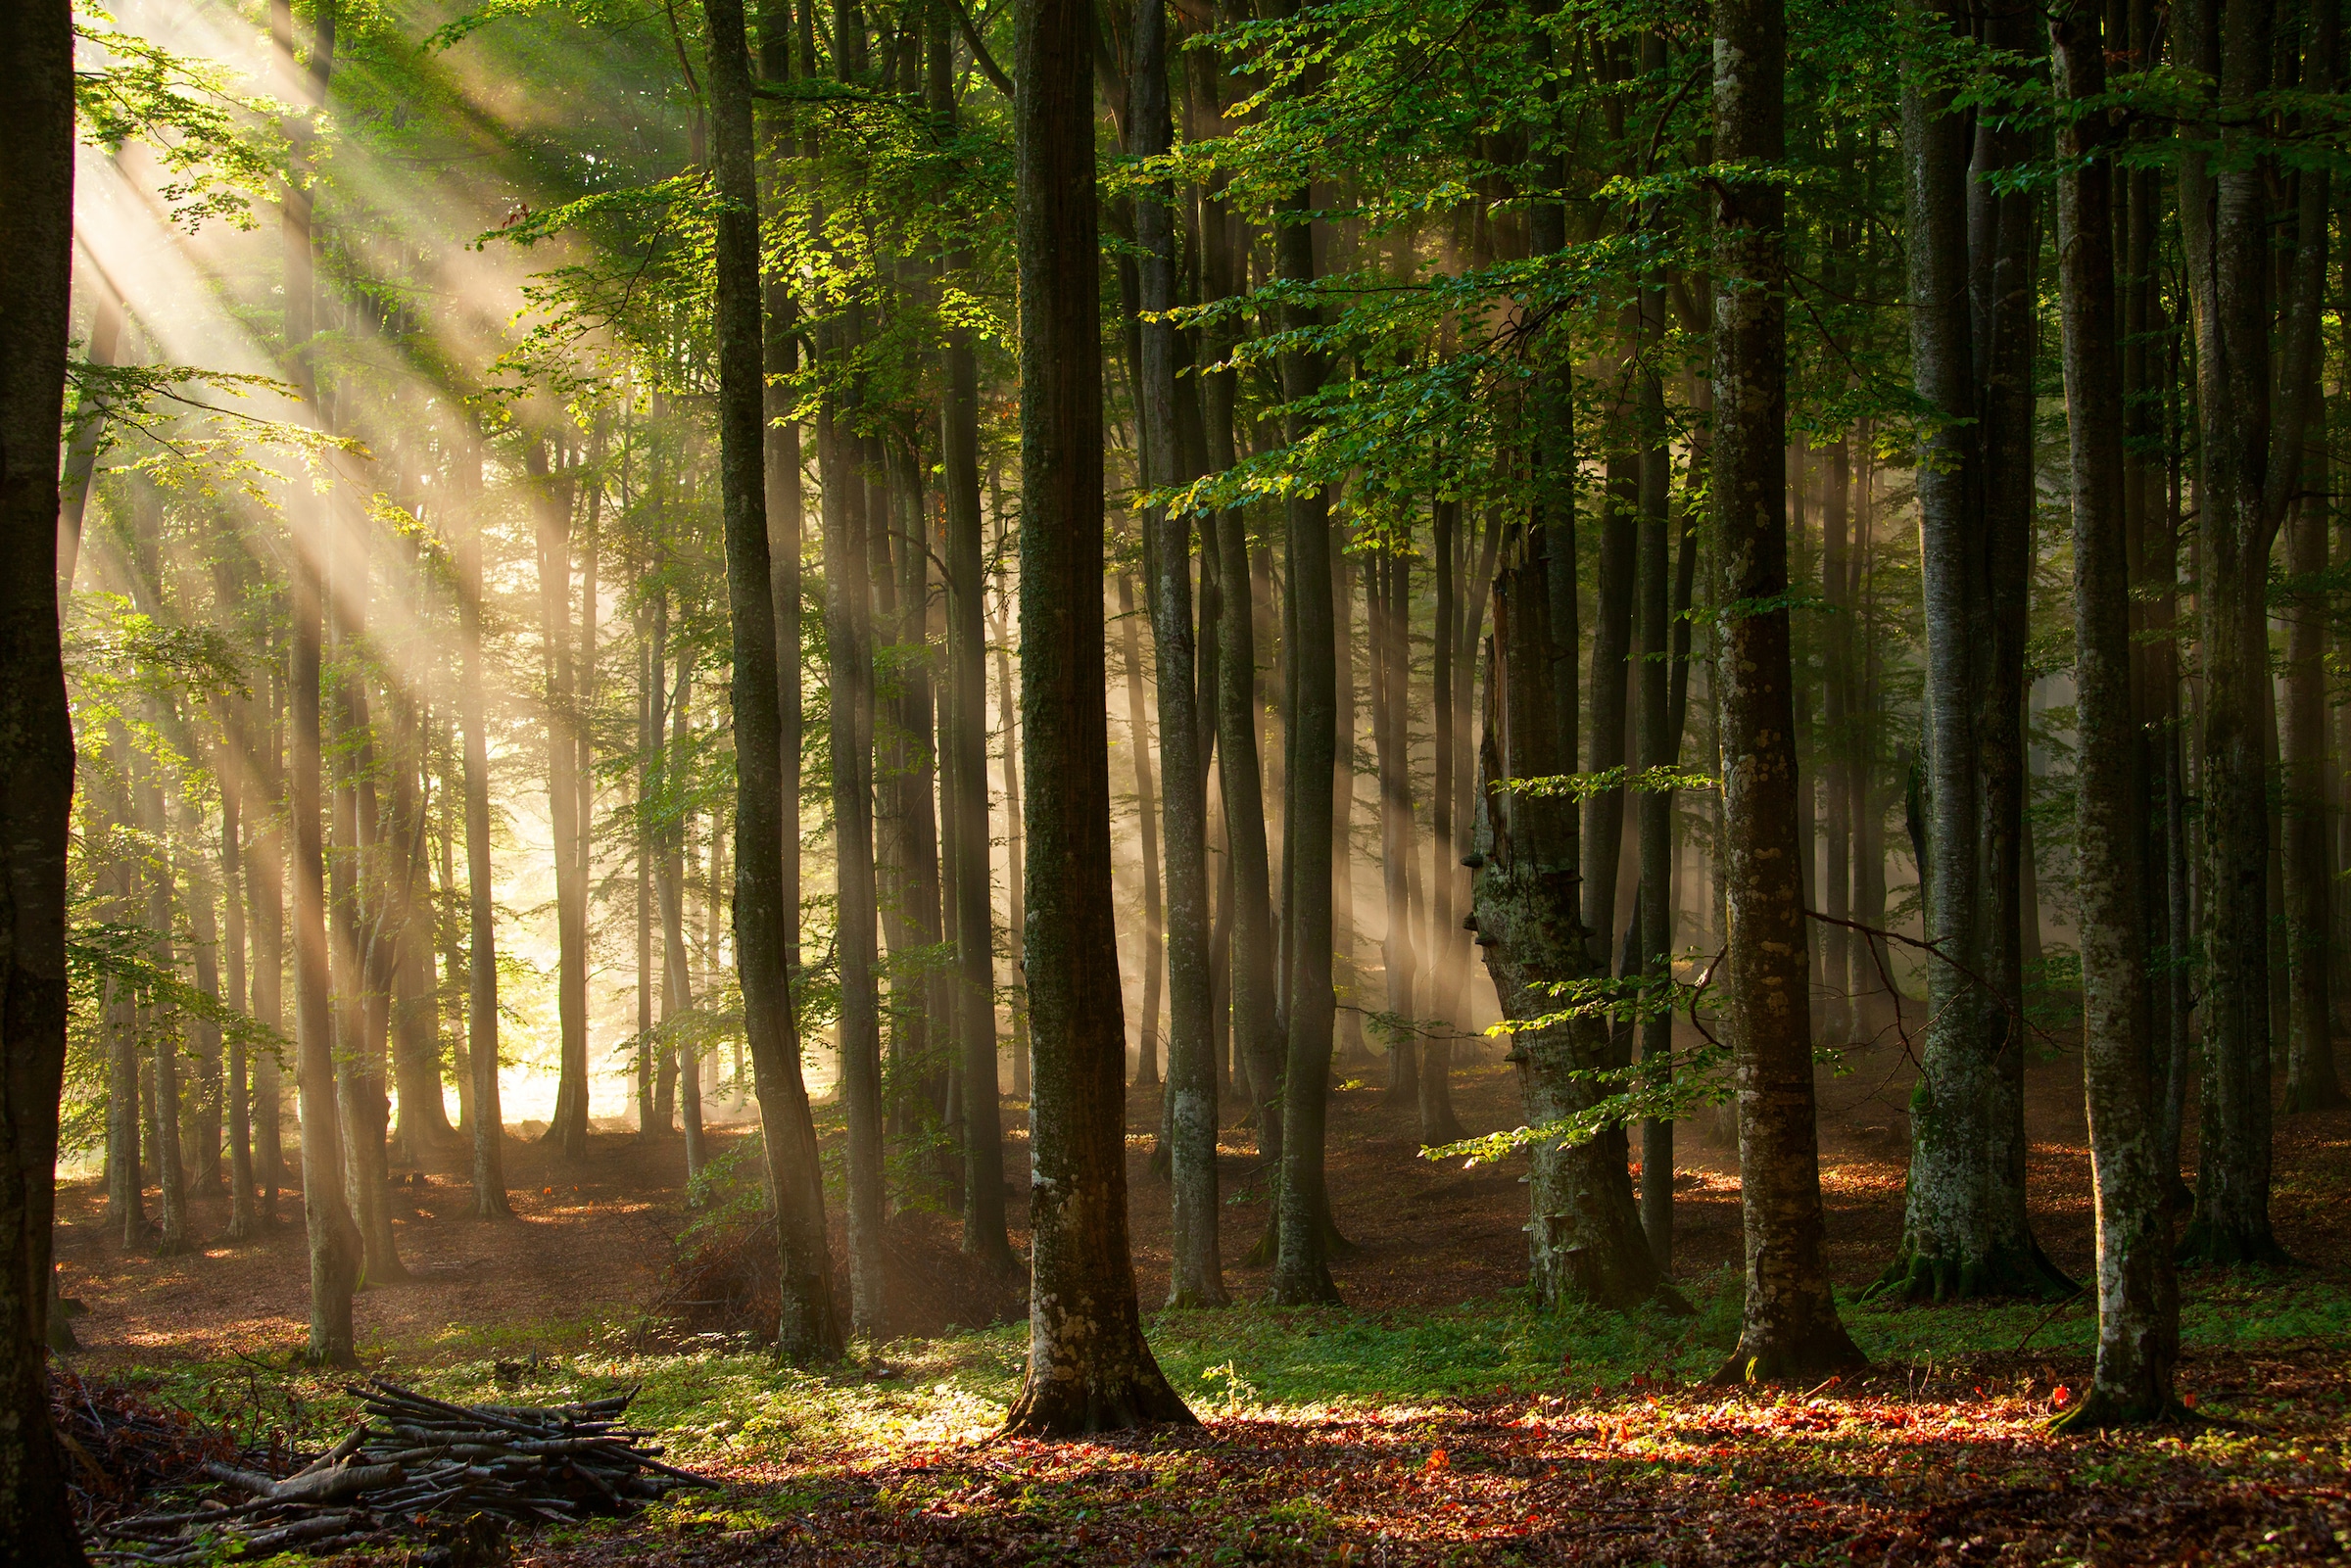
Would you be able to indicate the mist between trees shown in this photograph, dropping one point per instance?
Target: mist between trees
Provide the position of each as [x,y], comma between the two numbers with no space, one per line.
[628,569]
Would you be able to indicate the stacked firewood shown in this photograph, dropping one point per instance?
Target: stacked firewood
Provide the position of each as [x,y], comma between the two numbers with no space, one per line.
[413,1461]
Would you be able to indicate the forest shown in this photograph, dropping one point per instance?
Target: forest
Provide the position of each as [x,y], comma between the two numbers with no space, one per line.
[1424,782]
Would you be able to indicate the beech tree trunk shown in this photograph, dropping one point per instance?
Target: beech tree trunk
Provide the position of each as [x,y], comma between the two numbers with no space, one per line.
[568,1124]
[1972,258]
[2251,448]
[765,913]
[481,914]
[2139,1299]
[965,802]
[1146,816]
[1197,1278]
[333,1237]
[36,754]
[1585,1242]
[1088,1367]
[1789,1331]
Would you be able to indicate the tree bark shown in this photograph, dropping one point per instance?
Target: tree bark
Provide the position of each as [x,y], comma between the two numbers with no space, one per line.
[550,505]
[36,754]
[1972,258]
[1301,1266]
[2139,1299]
[1197,1277]
[1585,1233]
[334,1240]
[481,913]
[848,652]
[2251,448]
[964,742]
[1088,1366]
[1789,1331]
[765,913]
[1146,816]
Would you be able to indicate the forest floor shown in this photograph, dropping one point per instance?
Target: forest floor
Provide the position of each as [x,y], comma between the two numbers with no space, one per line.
[1431,1419]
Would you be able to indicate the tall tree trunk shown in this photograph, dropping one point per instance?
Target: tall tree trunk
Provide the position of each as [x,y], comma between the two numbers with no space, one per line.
[1585,1233]
[1197,1277]
[1835,984]
[764,913]
[1015,918]
[236,775]
[2139,1299]
[1972,257]
[1789,1331]
[2250,445]
[1655,745]
[1397,958]
[1302,1267]
[1146,816]
[965,801]
[1088,1367]
[334,1240]
[848,638]
[36,754]
[481,914]
[2311,1083]
[201,897]
[550,505]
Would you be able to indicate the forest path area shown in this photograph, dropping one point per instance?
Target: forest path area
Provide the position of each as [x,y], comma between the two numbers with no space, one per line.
[1430,1420]
[590,1239]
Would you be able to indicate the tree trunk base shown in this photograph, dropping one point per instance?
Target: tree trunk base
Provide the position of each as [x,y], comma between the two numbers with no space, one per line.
[2327,1093]
[1195,1299]
[1914,1276]
[1071,1411]
[2229,1246]
[2104,1410]
[1449,1130]
[1814,1356]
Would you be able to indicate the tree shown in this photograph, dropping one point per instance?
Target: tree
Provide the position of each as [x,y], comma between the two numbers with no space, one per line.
[2252,404]
[1088,1367]
[37,754]
[1198,1276]
[2139,1299]
[1790,1331]
[481,914]
[764,912]
[1973,249]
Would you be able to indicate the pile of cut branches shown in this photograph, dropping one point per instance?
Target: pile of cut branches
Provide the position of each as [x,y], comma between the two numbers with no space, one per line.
[416,1460]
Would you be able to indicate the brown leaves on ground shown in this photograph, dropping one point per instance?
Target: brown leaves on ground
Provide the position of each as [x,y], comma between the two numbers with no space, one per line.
[1881,1470]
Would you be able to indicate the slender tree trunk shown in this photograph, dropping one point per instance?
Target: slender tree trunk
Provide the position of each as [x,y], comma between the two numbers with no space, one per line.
[1302,1267]
[265,876]
[235,774]
[1652,723]
[481,914]
[2250,445]
[37,755]
[1197,1277]
[1088,1367]
[1147,810]
[1397,958]
[848,637]
[1835,984]
[1789,1331]
[1585,1233]
[2138,1301]
[567,1123]
[1015,920]
[334,1240]
[1972,258]
[965,801]
[764,912]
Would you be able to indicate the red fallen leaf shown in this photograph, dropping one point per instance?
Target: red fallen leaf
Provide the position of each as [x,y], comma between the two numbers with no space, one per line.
[2063,1395]
[2189,1399]
[547,1192]
[1436,1461]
